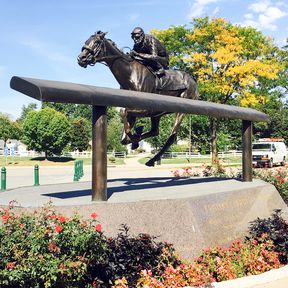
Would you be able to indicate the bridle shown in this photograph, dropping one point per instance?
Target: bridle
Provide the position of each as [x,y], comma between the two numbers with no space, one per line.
[97,47]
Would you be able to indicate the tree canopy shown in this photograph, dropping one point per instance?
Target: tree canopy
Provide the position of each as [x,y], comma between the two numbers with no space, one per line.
[46,130]
[230,63]
[9,129]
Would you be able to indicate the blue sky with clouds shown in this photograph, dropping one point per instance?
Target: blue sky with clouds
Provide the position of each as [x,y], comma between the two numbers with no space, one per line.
[42,39]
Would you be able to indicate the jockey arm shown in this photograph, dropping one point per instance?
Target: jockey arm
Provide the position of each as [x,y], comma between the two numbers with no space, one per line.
[152,56]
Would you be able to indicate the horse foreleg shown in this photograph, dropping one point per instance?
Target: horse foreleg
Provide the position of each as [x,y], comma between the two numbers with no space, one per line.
[128,122]
[154,131]
[171,139]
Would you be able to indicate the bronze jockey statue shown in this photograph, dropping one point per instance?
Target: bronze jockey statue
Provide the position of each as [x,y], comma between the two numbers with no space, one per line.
[149,51]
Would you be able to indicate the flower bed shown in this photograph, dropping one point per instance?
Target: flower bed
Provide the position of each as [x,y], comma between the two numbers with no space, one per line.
[46,249]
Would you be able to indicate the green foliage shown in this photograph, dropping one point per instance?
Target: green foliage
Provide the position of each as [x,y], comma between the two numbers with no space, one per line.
[26,110]
[9,129]
[80,134]
[232,64]
[72,111]
[129,255]
[165,127]
[47,249]
[217,264]
[276,230]
[114,134]
[278,124]
[46,130]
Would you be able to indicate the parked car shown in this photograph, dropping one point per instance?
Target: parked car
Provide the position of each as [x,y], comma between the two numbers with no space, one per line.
[269,151]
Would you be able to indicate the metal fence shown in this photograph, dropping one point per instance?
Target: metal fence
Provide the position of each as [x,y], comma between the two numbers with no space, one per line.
[226,154]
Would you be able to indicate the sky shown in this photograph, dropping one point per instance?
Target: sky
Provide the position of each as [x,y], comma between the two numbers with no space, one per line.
[42,39]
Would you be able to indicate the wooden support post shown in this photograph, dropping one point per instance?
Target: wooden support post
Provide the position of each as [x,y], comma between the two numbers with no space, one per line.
[247,150]
[99,153]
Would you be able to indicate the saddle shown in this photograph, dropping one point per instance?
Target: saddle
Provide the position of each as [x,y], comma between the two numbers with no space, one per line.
[172,80]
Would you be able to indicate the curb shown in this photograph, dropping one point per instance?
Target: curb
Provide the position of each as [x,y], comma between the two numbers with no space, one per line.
[255,280]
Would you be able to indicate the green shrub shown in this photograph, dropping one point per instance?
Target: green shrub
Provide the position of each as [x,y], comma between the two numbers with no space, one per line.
[129,255]
[46,249]
[214,264]
[276,229]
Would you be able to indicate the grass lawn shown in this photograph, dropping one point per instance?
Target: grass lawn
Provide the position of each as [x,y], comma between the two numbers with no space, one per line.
[58,161]
[231,161]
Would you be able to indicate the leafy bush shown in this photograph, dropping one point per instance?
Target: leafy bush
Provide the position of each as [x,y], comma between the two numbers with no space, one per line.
[215,264]
[276,229]
[129,255]
[46,249]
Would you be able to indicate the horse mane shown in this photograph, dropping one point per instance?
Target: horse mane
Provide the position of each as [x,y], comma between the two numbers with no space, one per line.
[102,35]
[126,56]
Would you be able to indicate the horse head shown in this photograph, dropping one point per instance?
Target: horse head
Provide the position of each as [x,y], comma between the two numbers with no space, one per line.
[92,51]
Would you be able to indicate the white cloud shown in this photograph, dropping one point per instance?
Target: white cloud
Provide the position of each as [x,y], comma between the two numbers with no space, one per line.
[264,14]
[52,53]
[259,7]
[134,17]
[216,11]
[199,8]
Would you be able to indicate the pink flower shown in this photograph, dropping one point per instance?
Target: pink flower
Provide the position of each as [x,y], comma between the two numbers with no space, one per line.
[98,228]
[58,228]
[61,218]
[94,215]
[5,218]
[10,265]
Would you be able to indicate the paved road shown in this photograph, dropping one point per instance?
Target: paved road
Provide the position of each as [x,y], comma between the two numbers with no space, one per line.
[24,176]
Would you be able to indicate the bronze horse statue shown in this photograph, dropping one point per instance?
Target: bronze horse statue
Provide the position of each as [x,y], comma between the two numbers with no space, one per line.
[132,75]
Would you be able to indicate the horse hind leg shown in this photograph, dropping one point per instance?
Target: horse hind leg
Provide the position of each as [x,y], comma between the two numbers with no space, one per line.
[139,131]
[171,139]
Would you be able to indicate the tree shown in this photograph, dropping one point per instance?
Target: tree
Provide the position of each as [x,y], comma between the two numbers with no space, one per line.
[9,129]
[80,134]
[278,125]
[46,130]
[114,134]
[25,111]
[227,60]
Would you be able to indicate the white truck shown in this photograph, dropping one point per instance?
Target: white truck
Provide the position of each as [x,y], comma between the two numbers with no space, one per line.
[269,151]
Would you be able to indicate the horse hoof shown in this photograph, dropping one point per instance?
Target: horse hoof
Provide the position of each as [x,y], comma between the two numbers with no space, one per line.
[150,163]
[134,146]
[125,141]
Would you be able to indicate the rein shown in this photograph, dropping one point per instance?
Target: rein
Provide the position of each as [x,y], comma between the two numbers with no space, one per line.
[105,57]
